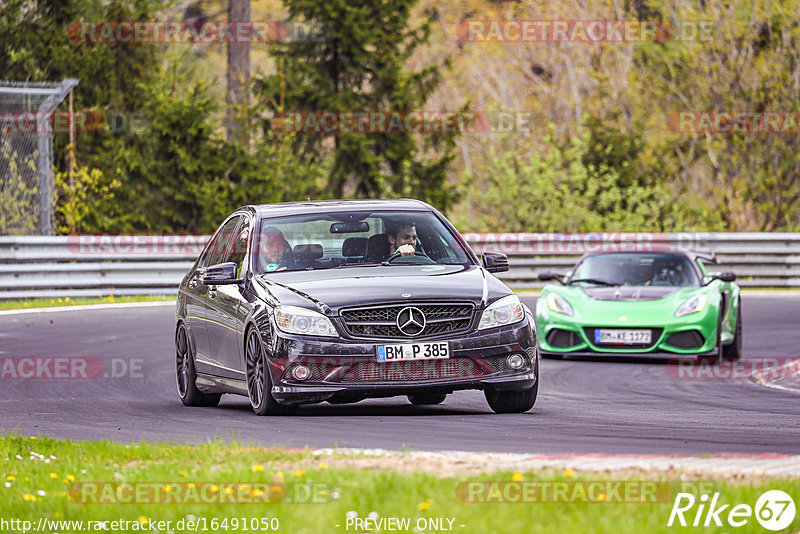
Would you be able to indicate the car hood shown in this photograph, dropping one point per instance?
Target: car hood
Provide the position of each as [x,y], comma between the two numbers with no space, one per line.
[589,310]
[630,293]
[331,289]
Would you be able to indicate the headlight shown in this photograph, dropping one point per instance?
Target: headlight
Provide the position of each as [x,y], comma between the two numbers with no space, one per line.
[559,304]
[507,310]
[294,320]
[695,304]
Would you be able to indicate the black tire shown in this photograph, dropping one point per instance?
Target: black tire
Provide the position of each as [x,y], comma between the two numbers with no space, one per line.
[186,376]
[422,399]
[259,382]
[734,350]
[513,401]
[715,356]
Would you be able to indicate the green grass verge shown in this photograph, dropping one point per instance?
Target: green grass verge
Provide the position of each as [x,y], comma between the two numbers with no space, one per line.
[67,301]
[64,489]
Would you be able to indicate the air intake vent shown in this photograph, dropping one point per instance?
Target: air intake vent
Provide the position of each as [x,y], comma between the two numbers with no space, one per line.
[562,338]
[691,339]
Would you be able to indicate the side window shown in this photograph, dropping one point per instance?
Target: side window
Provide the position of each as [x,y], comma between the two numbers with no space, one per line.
[240,245]
[222,239]
[206,255]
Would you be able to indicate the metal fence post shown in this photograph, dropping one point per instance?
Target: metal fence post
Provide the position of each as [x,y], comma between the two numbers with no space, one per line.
[19,155]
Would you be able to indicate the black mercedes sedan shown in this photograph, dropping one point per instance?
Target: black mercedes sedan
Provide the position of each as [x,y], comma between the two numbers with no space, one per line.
[338,301]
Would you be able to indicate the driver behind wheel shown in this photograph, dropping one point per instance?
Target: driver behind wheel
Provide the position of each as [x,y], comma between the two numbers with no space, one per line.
[402,238]
[669,275]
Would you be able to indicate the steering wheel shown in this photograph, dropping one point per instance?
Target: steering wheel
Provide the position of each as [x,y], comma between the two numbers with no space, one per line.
[416,253]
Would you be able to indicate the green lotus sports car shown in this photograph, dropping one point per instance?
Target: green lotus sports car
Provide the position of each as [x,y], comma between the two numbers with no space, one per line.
[640,303]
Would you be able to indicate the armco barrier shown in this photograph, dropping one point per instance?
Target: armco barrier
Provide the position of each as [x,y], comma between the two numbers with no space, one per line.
[75,266]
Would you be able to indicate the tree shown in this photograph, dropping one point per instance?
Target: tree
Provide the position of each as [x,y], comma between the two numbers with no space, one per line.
[589,183]
[355,60]
[747,63]
[167,168]
[238,76]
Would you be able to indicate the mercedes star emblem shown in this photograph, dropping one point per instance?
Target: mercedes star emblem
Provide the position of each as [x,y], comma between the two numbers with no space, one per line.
[411,321]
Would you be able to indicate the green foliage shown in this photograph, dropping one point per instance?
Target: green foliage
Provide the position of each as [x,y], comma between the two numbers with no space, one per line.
[180,175]
[748,62]
[80,197]
[42,42]
[614,162]
[590,183]
[19,189]
[168,168]
[358,62]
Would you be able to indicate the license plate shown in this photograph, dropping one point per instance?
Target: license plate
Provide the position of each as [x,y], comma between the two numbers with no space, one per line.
[413,351]
[623,337]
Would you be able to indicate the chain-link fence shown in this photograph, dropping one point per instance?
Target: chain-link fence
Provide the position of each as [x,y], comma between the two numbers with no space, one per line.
[26,155]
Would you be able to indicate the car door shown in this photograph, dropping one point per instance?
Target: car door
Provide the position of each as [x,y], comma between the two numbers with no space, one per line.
[225,317]
[197,302]
[205,315]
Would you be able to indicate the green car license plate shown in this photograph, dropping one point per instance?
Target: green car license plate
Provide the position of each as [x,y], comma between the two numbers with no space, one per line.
[619,336]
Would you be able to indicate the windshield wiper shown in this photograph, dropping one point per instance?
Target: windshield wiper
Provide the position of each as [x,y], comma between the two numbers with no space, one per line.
[381,264]
[395,264]
[358,264]
[594,281]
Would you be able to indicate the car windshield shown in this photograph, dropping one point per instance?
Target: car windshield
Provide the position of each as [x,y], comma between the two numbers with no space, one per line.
[354,239]
[635,270]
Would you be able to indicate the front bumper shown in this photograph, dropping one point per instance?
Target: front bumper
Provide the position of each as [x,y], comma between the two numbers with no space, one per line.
[344,369]
[570,335]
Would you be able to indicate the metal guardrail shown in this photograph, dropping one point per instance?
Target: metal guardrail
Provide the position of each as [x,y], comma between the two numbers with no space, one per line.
[82,266]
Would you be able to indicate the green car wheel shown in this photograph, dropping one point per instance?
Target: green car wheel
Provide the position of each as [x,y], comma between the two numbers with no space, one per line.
[733,351]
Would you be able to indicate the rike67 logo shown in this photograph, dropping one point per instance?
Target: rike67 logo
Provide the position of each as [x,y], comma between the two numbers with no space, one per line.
[774,510]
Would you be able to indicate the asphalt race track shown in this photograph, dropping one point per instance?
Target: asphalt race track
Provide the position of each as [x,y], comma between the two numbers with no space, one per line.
[584,406]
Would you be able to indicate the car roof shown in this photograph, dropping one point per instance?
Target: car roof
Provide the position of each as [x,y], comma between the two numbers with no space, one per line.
[322,206]
[688,255]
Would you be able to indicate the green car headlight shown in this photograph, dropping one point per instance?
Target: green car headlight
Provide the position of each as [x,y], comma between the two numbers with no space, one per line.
[507,310]
[296,320]
[559,304]
[695,304]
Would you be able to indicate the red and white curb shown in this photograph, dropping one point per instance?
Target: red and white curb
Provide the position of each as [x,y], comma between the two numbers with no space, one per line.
[785,378]
[749,465]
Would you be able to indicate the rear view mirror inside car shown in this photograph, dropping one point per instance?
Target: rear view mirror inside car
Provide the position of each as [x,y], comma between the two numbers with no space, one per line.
[349,227]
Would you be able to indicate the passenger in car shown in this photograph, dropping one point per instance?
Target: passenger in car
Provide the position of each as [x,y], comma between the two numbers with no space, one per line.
[275,253]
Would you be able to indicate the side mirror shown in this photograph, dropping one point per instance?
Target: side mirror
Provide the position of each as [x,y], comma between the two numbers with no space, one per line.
[547,276]
[494,262]
[726,276]
[220,274]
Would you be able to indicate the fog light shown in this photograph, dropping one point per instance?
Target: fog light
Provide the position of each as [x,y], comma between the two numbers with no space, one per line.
[515,361]
[300,372]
